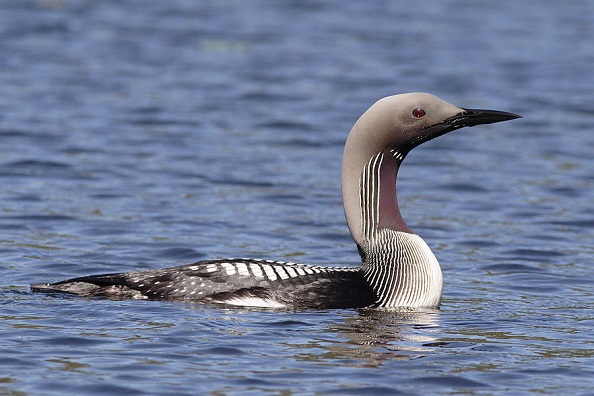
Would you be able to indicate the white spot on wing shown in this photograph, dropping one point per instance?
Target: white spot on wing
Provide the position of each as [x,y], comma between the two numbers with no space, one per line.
[269,272]
[211,268]
[242,269]
[229,268]
[256,270]
[282,273]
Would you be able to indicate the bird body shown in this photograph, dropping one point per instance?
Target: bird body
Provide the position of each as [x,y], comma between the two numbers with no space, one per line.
[245,282]
[398,268]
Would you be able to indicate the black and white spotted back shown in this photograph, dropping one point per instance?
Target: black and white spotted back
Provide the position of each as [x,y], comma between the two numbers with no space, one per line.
[244,282]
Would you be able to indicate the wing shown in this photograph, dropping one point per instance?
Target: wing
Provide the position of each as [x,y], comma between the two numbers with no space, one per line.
[245,282]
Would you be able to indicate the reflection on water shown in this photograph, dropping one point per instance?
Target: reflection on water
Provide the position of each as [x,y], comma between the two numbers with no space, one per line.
[379,335]
[369,338]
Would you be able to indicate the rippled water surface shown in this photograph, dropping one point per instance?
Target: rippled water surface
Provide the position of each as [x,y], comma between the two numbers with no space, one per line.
[144,134]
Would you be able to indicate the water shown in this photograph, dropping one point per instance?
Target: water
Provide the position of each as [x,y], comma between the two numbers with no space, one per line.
[137,135]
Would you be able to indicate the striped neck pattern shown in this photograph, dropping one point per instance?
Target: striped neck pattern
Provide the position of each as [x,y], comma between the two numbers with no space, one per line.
[398,264]
[402,271]
[369,190]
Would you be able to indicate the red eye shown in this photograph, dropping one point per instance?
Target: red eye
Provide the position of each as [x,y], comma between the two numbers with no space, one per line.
[418,113]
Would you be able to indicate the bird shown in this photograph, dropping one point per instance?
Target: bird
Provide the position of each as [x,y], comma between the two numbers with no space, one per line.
[398,269]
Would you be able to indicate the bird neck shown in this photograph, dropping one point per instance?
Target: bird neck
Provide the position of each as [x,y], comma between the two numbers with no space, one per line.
[369,196]
[397,263]
[378,201]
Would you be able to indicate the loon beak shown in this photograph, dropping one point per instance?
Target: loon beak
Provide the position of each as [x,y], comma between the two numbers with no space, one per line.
[472,117]
[466,118]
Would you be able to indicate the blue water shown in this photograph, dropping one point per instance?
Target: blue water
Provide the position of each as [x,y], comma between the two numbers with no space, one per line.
[143,134]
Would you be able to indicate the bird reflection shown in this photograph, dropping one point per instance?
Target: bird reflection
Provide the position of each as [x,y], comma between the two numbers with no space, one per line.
[374,336]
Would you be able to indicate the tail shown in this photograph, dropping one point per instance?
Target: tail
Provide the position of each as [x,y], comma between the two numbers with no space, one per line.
[44,288]
[113,286]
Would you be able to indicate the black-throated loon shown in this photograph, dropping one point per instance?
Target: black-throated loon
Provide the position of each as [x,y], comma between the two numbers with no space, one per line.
[398,268]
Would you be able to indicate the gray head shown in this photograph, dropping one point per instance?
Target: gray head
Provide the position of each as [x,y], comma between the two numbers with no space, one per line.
[392,127]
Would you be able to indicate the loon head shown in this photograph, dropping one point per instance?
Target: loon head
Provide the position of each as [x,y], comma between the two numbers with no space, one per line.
[377,144]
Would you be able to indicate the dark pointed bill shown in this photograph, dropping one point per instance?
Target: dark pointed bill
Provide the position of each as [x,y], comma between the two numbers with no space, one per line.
[467,118]
[472,117]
